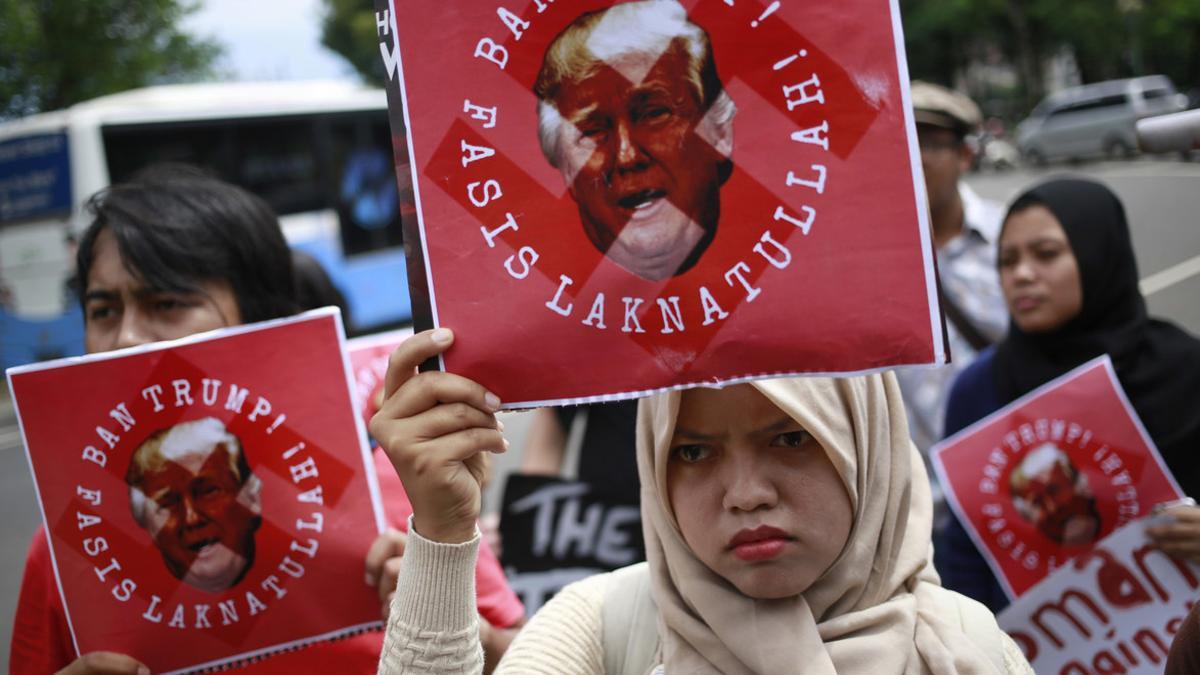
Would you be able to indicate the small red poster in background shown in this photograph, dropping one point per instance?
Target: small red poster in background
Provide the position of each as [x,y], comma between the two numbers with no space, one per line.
[368,365]
[1046,477]
[207,499]
[621,197]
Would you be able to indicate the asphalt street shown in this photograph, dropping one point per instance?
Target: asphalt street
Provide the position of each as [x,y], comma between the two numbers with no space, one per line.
[1163,202]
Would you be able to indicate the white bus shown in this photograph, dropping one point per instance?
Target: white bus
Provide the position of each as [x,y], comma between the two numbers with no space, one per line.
[320,153]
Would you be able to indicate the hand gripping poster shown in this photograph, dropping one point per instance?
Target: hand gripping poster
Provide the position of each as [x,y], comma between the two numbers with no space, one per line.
[368,365]
[206,500]
[1045,478]
[621,197]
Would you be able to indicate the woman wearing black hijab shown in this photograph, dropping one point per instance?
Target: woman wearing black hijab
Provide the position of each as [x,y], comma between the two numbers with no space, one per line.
[1070,280]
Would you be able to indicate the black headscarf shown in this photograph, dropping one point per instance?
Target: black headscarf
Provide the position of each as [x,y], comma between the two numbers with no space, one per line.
[1157,363]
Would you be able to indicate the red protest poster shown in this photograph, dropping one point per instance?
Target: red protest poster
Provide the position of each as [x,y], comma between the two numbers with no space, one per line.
[620,197]
[1046,477]
[368,366]
[1115,609]
[208,499]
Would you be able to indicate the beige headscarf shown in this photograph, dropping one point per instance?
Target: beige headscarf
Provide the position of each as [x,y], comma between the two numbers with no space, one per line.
[878,609]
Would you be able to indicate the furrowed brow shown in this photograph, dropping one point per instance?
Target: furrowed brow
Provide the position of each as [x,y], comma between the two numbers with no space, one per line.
[688,434]
[652,88]
[773,428]
[776,427]
[149,293]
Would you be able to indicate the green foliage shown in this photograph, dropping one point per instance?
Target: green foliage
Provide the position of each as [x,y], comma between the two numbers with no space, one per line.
[1108,38]
[1170,40]
[942,35]
[348,28]
[60,52]
[1096,31]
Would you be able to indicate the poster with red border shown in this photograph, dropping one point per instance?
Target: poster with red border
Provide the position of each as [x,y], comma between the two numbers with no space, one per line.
[1115,609]
[660,214]
[1043,479]
[368,364]
[206,500]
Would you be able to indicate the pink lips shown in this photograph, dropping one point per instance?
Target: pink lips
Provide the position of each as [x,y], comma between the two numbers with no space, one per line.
[1026,303]
[758,544]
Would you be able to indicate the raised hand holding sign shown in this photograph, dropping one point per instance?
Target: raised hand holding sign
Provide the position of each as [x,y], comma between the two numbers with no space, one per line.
[434,427]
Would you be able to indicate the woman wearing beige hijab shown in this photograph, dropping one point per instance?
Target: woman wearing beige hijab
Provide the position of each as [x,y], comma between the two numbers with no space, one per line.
[786,531]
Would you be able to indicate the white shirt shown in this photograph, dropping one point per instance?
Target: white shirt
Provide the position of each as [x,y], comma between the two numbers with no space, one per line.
[969,279]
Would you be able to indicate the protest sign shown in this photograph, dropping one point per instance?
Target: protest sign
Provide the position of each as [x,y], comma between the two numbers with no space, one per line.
[368,365]
[1044,478]
[557,531]
[208,499]
[618,198]
[1114,609]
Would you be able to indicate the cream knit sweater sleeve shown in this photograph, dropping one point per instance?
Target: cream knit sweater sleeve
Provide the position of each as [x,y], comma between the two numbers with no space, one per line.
[1014,658]
[564,636]
[433,626]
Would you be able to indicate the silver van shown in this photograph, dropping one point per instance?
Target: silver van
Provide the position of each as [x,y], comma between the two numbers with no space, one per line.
[1095,120]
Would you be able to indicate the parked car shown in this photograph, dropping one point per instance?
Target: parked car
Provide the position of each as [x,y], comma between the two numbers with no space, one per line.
[1095,120]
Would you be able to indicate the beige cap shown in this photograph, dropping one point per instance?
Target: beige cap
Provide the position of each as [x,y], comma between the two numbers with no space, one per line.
[938,106]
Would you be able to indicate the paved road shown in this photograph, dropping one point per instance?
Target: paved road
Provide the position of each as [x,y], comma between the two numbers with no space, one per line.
[1163,200]
[19,511]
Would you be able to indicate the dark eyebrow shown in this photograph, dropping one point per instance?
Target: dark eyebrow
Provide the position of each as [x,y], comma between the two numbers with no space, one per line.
[652,91]
[774,427]
[1046,240]
[142,293]
[99,295]
[1040,241]
[649,88]
[693,435]
[145,293]
[782,424]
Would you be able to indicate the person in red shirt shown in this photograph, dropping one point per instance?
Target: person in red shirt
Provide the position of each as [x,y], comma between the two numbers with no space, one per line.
[171,253]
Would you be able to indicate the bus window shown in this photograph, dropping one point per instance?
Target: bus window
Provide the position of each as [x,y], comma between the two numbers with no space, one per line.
[318,172]
[369,203]
[128,148]
[319,153]
[273,158]
[276,160]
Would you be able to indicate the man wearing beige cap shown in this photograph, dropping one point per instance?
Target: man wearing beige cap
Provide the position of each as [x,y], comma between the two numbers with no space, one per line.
[965,230]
